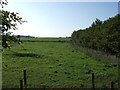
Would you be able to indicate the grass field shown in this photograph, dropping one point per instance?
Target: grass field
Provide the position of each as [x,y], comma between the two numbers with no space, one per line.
[54,65]
[47,39]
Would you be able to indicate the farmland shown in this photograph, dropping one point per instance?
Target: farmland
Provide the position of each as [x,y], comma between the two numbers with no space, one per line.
[46,39]
[54,65]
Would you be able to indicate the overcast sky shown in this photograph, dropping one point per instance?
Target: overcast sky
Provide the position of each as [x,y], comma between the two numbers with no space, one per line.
[59,19]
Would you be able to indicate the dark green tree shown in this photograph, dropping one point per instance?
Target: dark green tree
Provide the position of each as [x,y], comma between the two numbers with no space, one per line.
[98,21]
[103,36]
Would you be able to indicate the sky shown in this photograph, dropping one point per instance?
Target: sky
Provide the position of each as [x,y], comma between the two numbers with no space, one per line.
[59,19]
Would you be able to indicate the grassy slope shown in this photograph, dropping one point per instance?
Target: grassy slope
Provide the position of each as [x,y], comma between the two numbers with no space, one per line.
[60,65]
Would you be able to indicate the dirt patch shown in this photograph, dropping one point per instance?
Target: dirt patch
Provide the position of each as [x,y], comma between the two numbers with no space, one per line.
[28,55]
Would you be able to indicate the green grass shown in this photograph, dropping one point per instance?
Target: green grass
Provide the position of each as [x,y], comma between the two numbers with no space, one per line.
[98,55]
[46,39]
[59,65]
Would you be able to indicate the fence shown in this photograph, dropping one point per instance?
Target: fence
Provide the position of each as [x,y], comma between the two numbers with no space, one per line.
[23,82]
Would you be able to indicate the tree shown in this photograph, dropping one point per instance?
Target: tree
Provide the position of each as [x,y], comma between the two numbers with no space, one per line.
[103,36]
[98,21]
[10,21]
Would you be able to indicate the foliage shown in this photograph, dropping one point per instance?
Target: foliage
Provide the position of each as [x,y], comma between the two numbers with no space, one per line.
[103,36]
[3,2]
[10,20]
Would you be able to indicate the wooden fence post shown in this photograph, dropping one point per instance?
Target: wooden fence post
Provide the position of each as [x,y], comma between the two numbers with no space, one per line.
[25,78]
[93,85]
[21,85]
[112,85]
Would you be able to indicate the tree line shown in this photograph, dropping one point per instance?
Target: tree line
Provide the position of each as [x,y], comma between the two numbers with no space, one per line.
[22,36]
[101,35]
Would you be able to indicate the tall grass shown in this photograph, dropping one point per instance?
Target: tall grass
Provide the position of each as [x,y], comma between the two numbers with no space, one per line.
[98,55]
